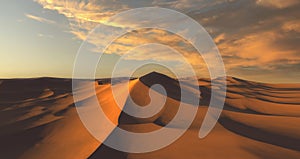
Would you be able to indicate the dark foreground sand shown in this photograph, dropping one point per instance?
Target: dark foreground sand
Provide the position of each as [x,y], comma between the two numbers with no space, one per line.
[38,120]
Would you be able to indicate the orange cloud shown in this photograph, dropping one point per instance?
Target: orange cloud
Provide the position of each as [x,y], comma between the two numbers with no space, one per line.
[277,3]
[293,25]
[260,33]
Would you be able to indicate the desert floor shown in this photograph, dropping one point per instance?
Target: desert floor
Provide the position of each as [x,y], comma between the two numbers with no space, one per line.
[38,119]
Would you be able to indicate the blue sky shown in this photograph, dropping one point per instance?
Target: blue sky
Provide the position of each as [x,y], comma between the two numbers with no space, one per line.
[34,48]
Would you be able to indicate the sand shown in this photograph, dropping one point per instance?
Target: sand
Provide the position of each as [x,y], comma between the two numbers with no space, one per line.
[38,119]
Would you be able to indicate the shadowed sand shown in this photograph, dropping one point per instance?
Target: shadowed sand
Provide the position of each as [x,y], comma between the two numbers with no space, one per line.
[38,120]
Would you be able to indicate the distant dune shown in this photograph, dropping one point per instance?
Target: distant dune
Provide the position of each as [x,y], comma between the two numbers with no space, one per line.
[38,119]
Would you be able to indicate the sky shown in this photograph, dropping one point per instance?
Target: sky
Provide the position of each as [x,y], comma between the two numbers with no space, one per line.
[257,39]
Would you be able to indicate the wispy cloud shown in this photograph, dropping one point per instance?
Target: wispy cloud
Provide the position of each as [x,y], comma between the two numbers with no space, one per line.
[45,36]
[277,3]
[39,19]
[250,33]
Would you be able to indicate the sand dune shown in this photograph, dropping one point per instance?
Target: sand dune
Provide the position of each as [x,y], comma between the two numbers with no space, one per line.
[38,119]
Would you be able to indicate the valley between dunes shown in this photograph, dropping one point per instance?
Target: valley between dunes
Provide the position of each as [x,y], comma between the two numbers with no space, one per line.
[38,119]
